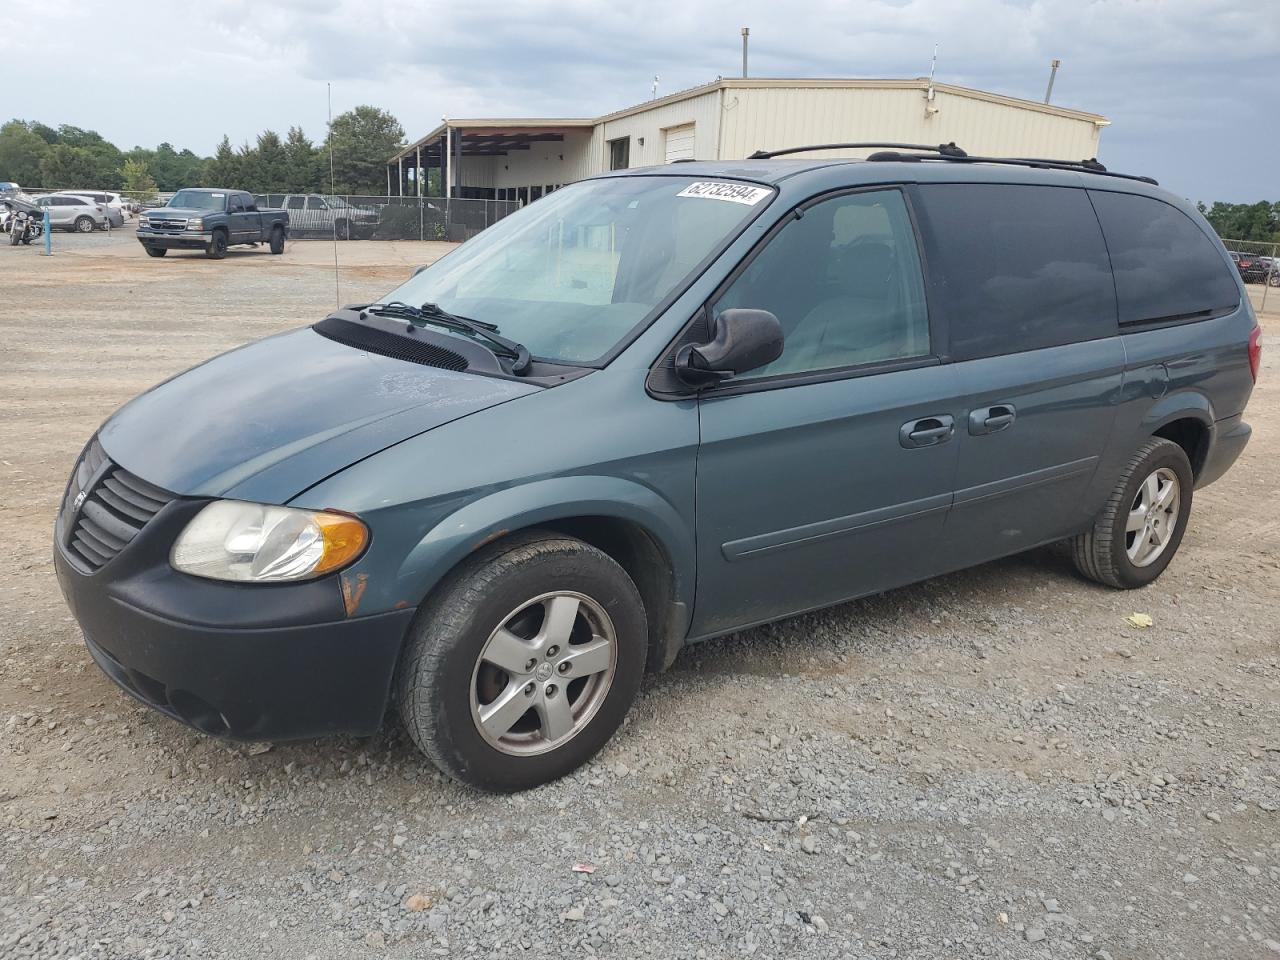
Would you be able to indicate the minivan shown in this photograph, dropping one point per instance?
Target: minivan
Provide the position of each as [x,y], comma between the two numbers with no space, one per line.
[657,406]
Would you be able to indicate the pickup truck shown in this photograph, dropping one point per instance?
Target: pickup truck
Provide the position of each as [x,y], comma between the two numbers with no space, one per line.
[211,219]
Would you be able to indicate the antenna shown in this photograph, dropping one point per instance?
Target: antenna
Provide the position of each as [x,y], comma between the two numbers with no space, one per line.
[656,78]
[933,67]
[337,295]
[746,32]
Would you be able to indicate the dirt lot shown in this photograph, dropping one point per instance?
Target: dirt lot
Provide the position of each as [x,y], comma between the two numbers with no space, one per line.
[993,763]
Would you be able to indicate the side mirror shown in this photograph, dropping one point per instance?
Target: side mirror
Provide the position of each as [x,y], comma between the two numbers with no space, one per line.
[743,340]
[418,270]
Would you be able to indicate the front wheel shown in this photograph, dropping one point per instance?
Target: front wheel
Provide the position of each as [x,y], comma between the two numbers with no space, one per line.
[156,251]
[1139,530]
[15,236]
[84,224]
[524,663]
[217,246]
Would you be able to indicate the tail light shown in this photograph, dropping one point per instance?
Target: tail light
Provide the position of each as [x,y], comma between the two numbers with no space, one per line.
[1255,352]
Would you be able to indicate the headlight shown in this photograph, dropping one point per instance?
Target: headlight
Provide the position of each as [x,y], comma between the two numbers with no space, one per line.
[232,540]
[144,222]
[196,224]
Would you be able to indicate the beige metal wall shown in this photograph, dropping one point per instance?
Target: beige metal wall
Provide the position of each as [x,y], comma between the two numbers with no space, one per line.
[773,118]
[702,111]
[557,162]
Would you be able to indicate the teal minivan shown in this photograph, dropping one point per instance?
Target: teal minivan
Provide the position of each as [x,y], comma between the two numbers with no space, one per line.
[654,407]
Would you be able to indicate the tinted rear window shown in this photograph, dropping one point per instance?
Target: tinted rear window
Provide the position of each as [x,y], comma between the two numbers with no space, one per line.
[1017,267]
[1166,267]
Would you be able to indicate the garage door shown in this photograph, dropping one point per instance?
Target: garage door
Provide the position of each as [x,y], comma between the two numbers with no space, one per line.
[680,142]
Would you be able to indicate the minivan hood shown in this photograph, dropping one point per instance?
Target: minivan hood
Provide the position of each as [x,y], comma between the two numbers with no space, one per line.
[268,420]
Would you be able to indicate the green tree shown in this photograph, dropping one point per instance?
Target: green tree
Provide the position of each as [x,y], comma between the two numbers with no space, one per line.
[138,180]
[76,167]
[363,139]
[223,169]
[1245,221]
[21,150]
[305,170]
[172,169]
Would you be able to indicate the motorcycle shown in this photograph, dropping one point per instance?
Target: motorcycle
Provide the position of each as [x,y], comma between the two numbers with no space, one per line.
[24,220]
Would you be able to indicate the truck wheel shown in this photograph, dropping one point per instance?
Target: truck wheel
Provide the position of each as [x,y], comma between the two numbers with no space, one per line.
[342,229]
[216,249]
[84,224]
[521,666]
[277,240]
[156,251]
[1139,529]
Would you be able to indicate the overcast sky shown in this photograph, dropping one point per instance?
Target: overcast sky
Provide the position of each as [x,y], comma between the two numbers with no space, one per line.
[1192,87]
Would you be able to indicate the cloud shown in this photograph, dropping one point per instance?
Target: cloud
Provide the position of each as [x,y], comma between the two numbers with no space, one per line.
[1185,82]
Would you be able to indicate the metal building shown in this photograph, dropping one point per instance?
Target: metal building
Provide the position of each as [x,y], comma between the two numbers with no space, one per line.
[508,159]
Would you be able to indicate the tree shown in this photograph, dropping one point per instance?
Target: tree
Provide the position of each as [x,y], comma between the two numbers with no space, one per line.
[363,140]
[223,170]
[138,180]
[66,167]
[305,171]
[21,150]
[1245,221]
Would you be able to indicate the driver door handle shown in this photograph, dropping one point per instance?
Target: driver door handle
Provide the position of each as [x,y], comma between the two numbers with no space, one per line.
[927,431]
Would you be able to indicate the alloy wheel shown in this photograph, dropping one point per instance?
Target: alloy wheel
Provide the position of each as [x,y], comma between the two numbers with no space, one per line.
[543,673]
[1153,517]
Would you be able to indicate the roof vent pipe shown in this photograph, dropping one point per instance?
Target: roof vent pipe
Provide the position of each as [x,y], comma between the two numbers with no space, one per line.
[746,32]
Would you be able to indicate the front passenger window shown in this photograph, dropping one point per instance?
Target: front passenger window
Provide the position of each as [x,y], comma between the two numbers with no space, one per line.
[844,280]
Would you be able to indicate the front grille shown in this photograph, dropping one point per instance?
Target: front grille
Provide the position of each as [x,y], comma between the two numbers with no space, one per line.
[168,224]
[105,508]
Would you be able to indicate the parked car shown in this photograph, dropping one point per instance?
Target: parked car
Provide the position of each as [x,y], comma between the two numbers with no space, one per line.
[114,206]
[71,212]
[316,213]
[657,406]
[1250,266]
[211,220]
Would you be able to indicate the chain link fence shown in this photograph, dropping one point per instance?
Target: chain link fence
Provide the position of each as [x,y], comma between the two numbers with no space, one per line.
[1258,263]
[315,216]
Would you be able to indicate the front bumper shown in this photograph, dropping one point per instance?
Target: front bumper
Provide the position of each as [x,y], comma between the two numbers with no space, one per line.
[174,240]
[244,661]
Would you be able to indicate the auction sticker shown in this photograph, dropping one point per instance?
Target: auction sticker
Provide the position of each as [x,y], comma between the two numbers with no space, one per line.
[733,192]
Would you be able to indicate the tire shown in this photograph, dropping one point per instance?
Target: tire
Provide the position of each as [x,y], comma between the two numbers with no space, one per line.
[342,229]
[216,249]
[15,237]
[1106,552]
[277,240]
[84,224]
[156,251]
[443,681]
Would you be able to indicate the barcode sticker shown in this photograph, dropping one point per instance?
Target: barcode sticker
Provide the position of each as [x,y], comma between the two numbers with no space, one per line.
[733,192]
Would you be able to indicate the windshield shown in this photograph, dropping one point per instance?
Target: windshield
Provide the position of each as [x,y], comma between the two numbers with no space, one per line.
[198,200]
[572,274]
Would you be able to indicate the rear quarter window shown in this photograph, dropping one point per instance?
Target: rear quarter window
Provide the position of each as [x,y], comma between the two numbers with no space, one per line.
[1166,267]
[1016,267]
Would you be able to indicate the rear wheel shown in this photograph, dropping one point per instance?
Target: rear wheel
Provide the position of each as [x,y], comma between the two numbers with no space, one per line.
[1139,530]
[277,240]
[84,224]
[524,663]
[156,251]
[216,249]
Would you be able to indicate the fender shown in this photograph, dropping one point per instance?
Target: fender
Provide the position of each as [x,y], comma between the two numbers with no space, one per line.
[542,501]
[1179,405]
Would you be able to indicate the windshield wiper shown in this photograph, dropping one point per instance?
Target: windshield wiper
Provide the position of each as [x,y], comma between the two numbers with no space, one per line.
[433,314]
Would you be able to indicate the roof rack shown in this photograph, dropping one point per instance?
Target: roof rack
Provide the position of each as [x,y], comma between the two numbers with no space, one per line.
[943,149]
[1088,166]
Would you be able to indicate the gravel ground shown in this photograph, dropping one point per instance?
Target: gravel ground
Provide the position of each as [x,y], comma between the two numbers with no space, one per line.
[990,764]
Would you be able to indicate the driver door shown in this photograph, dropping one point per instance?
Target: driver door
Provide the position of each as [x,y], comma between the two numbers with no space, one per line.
[828,473]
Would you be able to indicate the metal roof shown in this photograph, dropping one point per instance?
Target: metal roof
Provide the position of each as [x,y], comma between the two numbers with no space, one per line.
[555,128]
